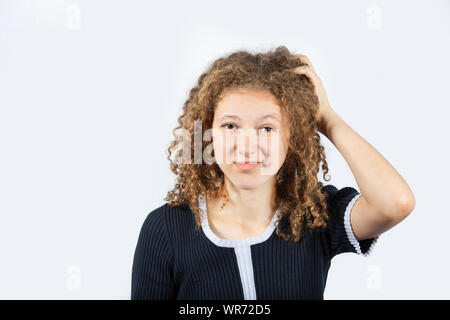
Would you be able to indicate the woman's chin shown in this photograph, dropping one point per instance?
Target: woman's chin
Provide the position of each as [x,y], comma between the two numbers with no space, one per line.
[249,182]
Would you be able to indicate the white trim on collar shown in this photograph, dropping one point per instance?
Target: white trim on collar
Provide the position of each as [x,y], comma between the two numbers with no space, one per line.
[239,242]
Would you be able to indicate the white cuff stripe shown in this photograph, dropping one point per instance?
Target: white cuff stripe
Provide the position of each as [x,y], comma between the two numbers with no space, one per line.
[349,230]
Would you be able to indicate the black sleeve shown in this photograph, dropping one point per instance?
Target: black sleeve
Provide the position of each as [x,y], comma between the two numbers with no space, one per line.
[339,236]
[152,271]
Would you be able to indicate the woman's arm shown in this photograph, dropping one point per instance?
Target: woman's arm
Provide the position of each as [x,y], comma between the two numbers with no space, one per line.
[152,269]
[386,197]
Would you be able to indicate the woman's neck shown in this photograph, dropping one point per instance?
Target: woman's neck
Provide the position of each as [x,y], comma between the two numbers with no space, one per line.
[246,207]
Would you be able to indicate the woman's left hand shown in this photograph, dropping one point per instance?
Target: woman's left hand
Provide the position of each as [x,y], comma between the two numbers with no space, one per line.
[325,110]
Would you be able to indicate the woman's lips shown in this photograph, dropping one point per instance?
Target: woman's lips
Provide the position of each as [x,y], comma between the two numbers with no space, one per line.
[244,166]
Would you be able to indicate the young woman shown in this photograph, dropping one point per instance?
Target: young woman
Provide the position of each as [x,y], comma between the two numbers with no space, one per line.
[256,223]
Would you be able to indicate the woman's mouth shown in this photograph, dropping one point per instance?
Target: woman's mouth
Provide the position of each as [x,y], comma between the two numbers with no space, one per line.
[244,166]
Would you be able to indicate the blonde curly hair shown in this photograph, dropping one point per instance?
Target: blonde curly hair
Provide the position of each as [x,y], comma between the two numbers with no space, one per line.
[297,187]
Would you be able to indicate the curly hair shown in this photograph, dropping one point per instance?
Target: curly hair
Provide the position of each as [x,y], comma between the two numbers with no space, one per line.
[297,188]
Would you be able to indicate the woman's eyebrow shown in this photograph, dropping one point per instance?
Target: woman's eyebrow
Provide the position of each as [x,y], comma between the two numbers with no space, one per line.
[270,115]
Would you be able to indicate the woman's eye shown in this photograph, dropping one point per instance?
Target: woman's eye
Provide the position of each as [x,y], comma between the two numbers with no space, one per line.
[271,129]
[228,124]
[231,126]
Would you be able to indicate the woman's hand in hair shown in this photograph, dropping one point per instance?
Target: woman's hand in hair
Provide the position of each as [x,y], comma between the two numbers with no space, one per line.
[326,113]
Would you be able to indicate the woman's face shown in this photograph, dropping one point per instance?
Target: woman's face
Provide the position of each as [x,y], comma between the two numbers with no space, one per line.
[249,127]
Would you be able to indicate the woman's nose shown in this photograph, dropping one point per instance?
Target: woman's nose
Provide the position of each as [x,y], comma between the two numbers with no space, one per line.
[247,145]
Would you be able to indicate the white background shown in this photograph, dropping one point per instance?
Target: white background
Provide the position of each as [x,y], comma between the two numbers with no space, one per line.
[90,92]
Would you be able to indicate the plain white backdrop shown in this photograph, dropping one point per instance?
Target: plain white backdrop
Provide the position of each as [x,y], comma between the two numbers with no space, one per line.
[91,90]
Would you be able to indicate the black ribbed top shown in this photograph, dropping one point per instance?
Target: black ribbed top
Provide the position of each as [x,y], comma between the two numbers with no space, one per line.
[172,260]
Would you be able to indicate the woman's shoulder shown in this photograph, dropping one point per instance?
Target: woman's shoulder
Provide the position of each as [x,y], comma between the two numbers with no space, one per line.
[329,189]
[168,216]
[332,192]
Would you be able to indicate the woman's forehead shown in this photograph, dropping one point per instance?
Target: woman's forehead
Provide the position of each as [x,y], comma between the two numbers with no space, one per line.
[249,104]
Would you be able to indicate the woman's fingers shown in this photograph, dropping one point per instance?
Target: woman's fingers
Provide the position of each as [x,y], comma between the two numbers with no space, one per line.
[306,70]
[305,59]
